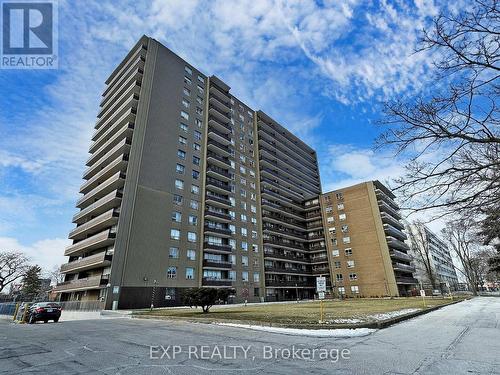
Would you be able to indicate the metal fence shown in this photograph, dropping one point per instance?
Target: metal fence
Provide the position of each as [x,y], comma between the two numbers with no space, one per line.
[7,308]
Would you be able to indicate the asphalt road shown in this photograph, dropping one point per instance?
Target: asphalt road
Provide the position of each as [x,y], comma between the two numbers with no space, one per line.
[459,339]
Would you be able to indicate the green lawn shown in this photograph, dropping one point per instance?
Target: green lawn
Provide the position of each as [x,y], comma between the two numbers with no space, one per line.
[303,313]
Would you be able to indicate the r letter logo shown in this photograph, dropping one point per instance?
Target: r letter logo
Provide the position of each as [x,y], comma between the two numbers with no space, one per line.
[29,35]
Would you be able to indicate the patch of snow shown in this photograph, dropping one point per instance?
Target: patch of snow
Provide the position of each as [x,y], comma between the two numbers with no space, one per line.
[358,332]
[345,321]
[392,314]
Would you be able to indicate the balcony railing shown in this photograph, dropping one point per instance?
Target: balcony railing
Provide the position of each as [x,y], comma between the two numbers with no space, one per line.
[217,247]
[289,256]
[217,230]
[217,282]
[94,282]
[98,223]
[218,215]
[403,267]
[272,269]
[396,254]
[272,241]
[288,283]
[216,264]
[218,184]
[92,261]
[96,241]
[222,159]
[406,280]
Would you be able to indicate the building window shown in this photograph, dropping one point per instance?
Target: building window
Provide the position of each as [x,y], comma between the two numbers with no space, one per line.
[346,240]
[341,290]
[191,254]
[348,251]
[330,219]
[339,196]
[199,111]
[255,248]
[350,264]
[244,232]
[337,264]
[198,122]
[196,147]
[179,168]
[175,234]
[193,219]
[342,217]
[256,292]
[199,100]
[195,189]
[340,206]
[355,289]
[189,273]
[191,237]
[244,261]
[345,228]
[244,276]
[335,253]
[253,208]
[172,272]
[177,199]
[188,70]
[329,209]
[197,135]
[256,278]
[254,234]
[193,204]
[185,115]
[179,184]
[183,127]
[244,246]
[196,160]
[185,103]
[176,216]
[339,277]
[353,276]
[243,218]
[182,140]
[173,252]
[196,174]
[181,154]
[200,89]
[201,79]
[232,228]
[186,91]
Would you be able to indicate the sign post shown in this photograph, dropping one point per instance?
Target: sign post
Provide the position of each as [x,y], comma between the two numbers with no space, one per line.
[422,293]
[321,289]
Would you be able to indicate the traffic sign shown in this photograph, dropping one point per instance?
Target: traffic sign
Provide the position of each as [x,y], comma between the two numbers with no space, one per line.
[422,293]
[321,295]
[321,284]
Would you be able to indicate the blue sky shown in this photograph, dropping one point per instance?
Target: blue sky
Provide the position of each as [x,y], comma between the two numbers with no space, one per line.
[321,68]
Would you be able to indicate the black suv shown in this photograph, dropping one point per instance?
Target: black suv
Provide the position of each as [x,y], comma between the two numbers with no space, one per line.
[44,311]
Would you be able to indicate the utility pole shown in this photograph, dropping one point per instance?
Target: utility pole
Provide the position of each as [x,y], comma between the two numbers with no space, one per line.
[153,295]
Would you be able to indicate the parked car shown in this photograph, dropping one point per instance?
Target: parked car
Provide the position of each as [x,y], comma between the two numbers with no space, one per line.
[44,311]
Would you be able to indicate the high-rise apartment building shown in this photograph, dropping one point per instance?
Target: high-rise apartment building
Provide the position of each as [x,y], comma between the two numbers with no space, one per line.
[187,186]
[366,248]
[431,256]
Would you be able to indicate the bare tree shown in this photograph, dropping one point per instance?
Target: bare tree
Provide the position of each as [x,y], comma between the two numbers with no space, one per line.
[462,237]
[420,250]
[452,133]
[13,266]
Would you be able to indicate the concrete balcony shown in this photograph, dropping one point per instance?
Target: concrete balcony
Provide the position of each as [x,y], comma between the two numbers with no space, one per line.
[384,207]
[112,200]
[289,284]
[283,153]
[220,95]
[394,243]
[284,233]
[115,182]
[403,267]
[399,255]
[218,116]
[94,282]
[388,219]
[217,248]
[385,198]
[218,231]
[99,240]
[219,125]
[123,147]
[127,90]
[137,53]
[276,242]
[218,172]
[125,131]
[216,159]
[97,224]
[218,136]
[218,148]
[84,264]
[130,69]
[207,263]
[394,232]
[217,215]
[406,280]
[116,111]
[223,107]
[286,271]
[117,165]
[292,257]
[107,130]
[217,185]
[218,201]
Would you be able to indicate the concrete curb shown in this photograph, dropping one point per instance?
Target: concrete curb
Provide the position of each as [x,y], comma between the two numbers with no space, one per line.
[374,325]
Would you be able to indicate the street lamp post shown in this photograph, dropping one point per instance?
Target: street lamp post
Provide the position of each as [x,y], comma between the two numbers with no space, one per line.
[297,292]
